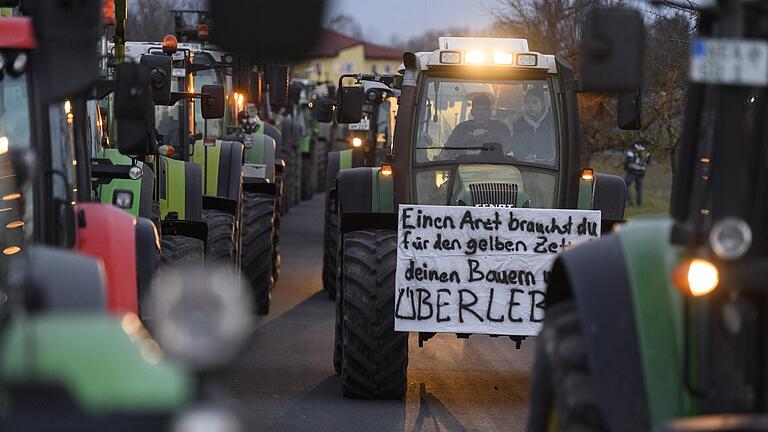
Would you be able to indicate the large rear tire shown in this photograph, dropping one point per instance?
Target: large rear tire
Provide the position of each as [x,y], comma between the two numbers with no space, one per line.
[221,236]
[178,250]
[564,354]
[374,356]
[258,226]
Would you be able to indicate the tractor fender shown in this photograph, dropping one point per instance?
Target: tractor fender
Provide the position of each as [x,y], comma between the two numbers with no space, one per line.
[622,287]
[365,199]
[222,164]
[273,132]
[147,254]
[339,160]
[595,276]
[610,198]
[65,281]
[261,151]
[108,233]
[180,189]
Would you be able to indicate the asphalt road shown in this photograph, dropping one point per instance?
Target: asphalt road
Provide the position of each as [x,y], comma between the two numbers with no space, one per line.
[285,379]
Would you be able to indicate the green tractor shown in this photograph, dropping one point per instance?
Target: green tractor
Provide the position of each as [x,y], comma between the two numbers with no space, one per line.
[494,93]
[368,142]
[661,326]
[260,257]
[70,336]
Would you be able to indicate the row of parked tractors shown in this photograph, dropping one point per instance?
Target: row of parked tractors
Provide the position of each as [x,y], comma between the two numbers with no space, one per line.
[143,185]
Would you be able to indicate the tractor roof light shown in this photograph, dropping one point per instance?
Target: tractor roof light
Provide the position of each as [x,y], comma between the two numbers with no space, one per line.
[502,58]
[450,57]
[587,174]
[474,57]
[730,238]
[527,59]
[697,277]
[170,44]
[202,32]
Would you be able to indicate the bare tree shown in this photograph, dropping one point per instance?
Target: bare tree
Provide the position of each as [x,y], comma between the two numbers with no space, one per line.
[150,20]
[347,25]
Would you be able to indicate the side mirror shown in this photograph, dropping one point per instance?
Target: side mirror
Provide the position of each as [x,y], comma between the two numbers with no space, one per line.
[629,111]
[252,30]
[66,33]
[612,50]
[323,108]
[350,104]
[212,103]
[134,109]
[160,67]
[278,81]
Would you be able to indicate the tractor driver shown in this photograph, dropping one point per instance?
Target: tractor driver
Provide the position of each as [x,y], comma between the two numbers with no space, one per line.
[478,131]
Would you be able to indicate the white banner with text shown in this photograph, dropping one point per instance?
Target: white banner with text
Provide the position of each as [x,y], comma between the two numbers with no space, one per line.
[480,269]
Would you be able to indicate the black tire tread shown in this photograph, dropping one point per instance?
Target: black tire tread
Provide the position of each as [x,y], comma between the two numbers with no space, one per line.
[374,355]
[176,250]
[256,259]
[221,236]
[565,353]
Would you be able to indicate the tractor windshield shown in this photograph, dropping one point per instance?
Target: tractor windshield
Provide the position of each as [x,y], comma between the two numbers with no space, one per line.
[496,122]
[486,142]
[15,127]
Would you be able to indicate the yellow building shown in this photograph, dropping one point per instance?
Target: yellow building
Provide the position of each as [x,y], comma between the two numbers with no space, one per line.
[336,54]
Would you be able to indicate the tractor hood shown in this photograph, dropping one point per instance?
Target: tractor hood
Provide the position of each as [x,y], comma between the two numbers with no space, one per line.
[489,185]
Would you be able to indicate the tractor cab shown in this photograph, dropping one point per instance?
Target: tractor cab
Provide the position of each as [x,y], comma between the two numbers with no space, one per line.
[492,126]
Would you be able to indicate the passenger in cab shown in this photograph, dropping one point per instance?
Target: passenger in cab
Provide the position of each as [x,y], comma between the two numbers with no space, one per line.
[533,133]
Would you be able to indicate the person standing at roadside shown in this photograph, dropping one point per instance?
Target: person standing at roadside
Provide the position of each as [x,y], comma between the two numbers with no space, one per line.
[635,164]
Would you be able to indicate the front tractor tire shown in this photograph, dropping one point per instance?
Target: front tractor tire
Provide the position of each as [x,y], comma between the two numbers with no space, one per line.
[562,376]
[222,244]
[374,356]
[176,250]
[257,252]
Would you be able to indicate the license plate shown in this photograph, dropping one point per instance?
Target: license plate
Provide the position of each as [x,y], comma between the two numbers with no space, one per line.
[254,170]
[363,125]
[730,61]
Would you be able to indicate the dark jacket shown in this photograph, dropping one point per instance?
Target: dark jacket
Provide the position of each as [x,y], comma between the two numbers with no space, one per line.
[528,141]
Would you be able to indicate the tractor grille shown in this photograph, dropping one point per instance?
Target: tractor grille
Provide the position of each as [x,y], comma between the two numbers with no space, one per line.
[493,193]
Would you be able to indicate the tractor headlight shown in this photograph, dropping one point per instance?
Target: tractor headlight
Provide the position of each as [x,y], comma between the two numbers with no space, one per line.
[357,142]
[697,277]
[206,418]
[123,199]
[135,172]
[200,316]
[730,238]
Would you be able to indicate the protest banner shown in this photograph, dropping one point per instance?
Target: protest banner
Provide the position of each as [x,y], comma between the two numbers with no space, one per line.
[480,269]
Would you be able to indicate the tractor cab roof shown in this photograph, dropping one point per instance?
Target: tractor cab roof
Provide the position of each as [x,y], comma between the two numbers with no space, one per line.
[479,52]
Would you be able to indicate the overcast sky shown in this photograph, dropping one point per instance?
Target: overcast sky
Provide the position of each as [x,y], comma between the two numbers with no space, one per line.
[385,18]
